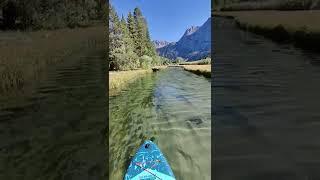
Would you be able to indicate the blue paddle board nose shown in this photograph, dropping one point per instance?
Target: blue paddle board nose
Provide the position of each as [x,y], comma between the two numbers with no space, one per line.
[149,163]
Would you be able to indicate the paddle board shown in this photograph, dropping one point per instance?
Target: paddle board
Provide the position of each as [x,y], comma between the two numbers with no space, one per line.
[149,164]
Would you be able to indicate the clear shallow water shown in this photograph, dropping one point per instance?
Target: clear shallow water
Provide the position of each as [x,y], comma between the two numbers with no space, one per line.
[172,105]
[266,107]
[56,133]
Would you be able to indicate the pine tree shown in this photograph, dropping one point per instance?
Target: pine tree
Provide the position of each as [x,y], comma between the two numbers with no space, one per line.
[114,39]
[132,27]
[140,35]
[144,46]
[113,24]
[128,45]
[151,50]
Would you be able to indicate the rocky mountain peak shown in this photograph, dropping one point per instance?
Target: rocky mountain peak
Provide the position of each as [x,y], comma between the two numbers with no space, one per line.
[159,44]
[193,45]
[191,30]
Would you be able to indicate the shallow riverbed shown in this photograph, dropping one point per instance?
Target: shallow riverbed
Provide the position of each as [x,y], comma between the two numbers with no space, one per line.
[172,105]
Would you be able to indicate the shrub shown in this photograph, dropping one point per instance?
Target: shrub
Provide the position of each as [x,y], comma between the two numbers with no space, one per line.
[145,62]
[206,61]
[179,60]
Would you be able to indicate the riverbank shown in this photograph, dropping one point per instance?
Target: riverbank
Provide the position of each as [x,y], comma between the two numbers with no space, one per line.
[205,61]
[298,27]
[157,68]
[25,56]
[118,80]
[272,5]
[204,70]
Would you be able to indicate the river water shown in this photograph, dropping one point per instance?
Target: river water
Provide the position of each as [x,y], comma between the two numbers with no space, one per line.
[172,105]
[266,107]
[58,132]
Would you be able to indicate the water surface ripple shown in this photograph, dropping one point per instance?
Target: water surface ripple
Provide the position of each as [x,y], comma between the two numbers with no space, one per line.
[57,133]
[266,107]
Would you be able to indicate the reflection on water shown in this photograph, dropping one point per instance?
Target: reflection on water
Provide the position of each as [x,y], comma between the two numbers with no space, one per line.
[266,107]
[57,133]
[174,107]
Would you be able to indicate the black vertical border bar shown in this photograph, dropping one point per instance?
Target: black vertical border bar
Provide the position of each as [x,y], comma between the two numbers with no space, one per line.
[106,131]
[212,93]
[213,140]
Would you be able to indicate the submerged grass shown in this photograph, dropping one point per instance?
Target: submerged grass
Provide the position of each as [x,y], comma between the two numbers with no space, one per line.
[204,70]
[25,55]
[118,80]
[299,27]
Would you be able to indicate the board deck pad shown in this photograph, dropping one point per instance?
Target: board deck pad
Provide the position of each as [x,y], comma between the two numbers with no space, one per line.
[149,164]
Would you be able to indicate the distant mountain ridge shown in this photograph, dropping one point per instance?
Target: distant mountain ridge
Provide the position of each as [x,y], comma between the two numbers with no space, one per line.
[193,45]
[159,44]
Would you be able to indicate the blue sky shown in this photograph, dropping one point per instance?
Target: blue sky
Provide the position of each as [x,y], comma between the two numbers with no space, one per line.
[167,19]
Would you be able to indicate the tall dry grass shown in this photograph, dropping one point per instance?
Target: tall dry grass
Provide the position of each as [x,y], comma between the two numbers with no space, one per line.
[118,80]
[298,27]
[292,21]
[204,70]
[24,56]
